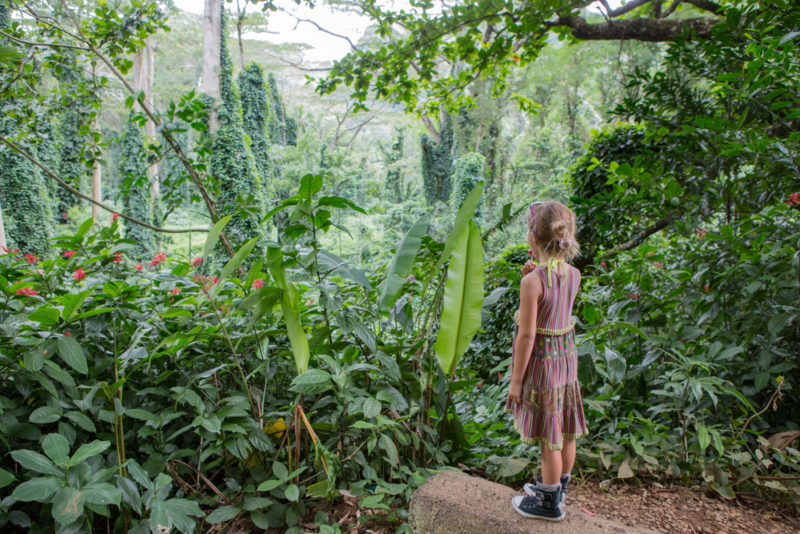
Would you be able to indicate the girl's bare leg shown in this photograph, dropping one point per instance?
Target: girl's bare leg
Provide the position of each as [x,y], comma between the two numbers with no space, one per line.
[568,455]
[551,465]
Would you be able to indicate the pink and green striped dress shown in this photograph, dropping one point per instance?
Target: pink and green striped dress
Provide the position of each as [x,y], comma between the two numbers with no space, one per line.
[552,407]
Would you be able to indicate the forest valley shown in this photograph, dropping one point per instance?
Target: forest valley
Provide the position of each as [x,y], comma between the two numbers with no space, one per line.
[235,285]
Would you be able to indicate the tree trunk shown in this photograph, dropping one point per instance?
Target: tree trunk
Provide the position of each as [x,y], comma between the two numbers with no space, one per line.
[97,189]
[212,20]
[3,243]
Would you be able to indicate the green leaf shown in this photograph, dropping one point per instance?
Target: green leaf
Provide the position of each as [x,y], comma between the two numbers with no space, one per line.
[37,489]
[269,485]
[703,438]
[34,360]
[465,213]
[402,263]
[160,520]
[311,381]
[310,184]
[275,264]
[463,296]
[389,448]
[241,254]
[72,303]
[56,447]
[44,415]
[290,306]
[45,316]
[179,510]
[68,505]
[510,467]
[130,493]
[82,420]
[339,266]
[102,494]
[87,451]
[85,227]
[71,352]
[372,407]
[213,235]
[222,514]
[142,415]
[6,478]
[292,492]
[34,461]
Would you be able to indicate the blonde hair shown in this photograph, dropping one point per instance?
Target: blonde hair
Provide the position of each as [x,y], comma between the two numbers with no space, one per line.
[553,225]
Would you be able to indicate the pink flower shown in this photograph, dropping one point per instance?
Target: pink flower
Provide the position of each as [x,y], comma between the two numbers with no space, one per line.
[700,233]
[114,216]
[138,266]
[27,291]
[650,254]
[175,290]
[794,199]
[197,261]
[69,253]
[214,280]
[158,258]
[706,288]
[65,216]
[67,334]
[633,296]
[117,258]
[79,275]
[658,265]
[258,283]
[603,264]
[30,258]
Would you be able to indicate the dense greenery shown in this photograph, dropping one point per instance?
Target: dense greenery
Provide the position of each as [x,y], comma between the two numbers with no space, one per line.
[363,344]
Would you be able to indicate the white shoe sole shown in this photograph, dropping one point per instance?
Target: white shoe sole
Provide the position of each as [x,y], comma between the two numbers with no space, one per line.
[515,503]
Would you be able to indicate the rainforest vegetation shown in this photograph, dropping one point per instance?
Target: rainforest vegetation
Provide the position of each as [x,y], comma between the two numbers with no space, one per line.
[236,285]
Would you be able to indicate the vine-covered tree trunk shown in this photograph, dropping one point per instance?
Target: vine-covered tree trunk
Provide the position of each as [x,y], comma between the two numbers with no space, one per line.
[212,41]
[255,111]
[137,202]
[143,72]
[437,164]
[468,170]
[282,129]
[3,242]
[394,176]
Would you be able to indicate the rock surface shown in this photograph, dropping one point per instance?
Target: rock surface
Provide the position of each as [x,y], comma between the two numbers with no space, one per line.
[454,503]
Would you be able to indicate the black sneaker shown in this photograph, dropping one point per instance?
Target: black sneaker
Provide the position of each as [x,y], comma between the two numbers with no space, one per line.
[544,504]
[530,489]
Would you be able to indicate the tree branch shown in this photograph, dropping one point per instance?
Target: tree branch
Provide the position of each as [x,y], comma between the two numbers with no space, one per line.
[630,6]
[50,174]
[638,239]
[639,29]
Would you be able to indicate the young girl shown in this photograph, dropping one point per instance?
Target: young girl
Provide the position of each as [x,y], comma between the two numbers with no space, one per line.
[544,394]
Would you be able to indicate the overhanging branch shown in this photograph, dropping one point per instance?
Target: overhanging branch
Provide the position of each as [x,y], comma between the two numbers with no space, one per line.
[638,29]
[638,239]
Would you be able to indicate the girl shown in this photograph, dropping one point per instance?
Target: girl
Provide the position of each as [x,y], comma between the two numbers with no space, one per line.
[544,394]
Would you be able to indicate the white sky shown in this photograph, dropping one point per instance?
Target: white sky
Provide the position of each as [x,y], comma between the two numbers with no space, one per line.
[324,47]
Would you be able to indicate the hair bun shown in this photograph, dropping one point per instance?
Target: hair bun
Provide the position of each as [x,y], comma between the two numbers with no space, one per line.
[561,229]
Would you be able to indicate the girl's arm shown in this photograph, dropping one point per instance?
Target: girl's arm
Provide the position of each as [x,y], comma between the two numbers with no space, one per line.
[530,291]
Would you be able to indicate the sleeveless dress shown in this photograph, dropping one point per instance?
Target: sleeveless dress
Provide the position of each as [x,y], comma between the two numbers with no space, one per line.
[551,407]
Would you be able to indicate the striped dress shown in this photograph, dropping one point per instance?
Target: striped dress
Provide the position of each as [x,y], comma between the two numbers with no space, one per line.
[552,408]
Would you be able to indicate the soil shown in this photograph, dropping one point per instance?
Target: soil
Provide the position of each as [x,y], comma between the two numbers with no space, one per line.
[667,509]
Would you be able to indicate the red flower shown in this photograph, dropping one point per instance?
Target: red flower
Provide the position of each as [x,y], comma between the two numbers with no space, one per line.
[603,264]
[30,258]
[794,199]
[214,280]
[658,265]
[706,288]
[69,253]
[79,275]
[67,334]
[196,262]
[65,216]
[650,254]
[700,233]
[633,296]
[114,216]
[27,291]
[138,266]
[158,258]
[258,283]
[479,384]
[175,290]
[516,58]
[117,258]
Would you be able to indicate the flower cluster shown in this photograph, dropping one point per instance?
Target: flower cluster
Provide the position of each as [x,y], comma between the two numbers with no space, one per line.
[117,258]
[794,199]
[31,259]
[69,253]
[158,258]
[258,283]
[79,275]
[27,291]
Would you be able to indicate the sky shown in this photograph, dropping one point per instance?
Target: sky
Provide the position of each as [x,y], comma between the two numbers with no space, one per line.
[324,47]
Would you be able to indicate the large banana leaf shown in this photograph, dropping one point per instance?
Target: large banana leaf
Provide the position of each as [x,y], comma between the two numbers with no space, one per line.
[464,215]
[402,263]
[463,296]
[290,306]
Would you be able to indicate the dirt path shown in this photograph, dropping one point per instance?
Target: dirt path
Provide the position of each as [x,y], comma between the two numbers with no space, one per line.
[679,510]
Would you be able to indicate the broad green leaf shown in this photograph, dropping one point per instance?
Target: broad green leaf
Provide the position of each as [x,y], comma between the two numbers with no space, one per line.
[510,467]
[130,493]
[703,438]
[625,470]
[372,407]
[34,461]
[294,328]
[269,485]
[102,494]
[402,263]
[222,514]
[241,254]
[275,264]
[389,448]
[37,489]
[45,316]
[88,450]
[339,266]
[34,360]
[142,415]
[310,184]
[465,213]
[84,227]
[6,478]
[68,505]
[71,352]
[292,492]
[179,510]
[56,447]
[463,296]
[213,235]
[311,381]
[160,520]
[72,303]
[44,415]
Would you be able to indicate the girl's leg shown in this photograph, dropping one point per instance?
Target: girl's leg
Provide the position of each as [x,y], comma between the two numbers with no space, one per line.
[551,465]
[568,455]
